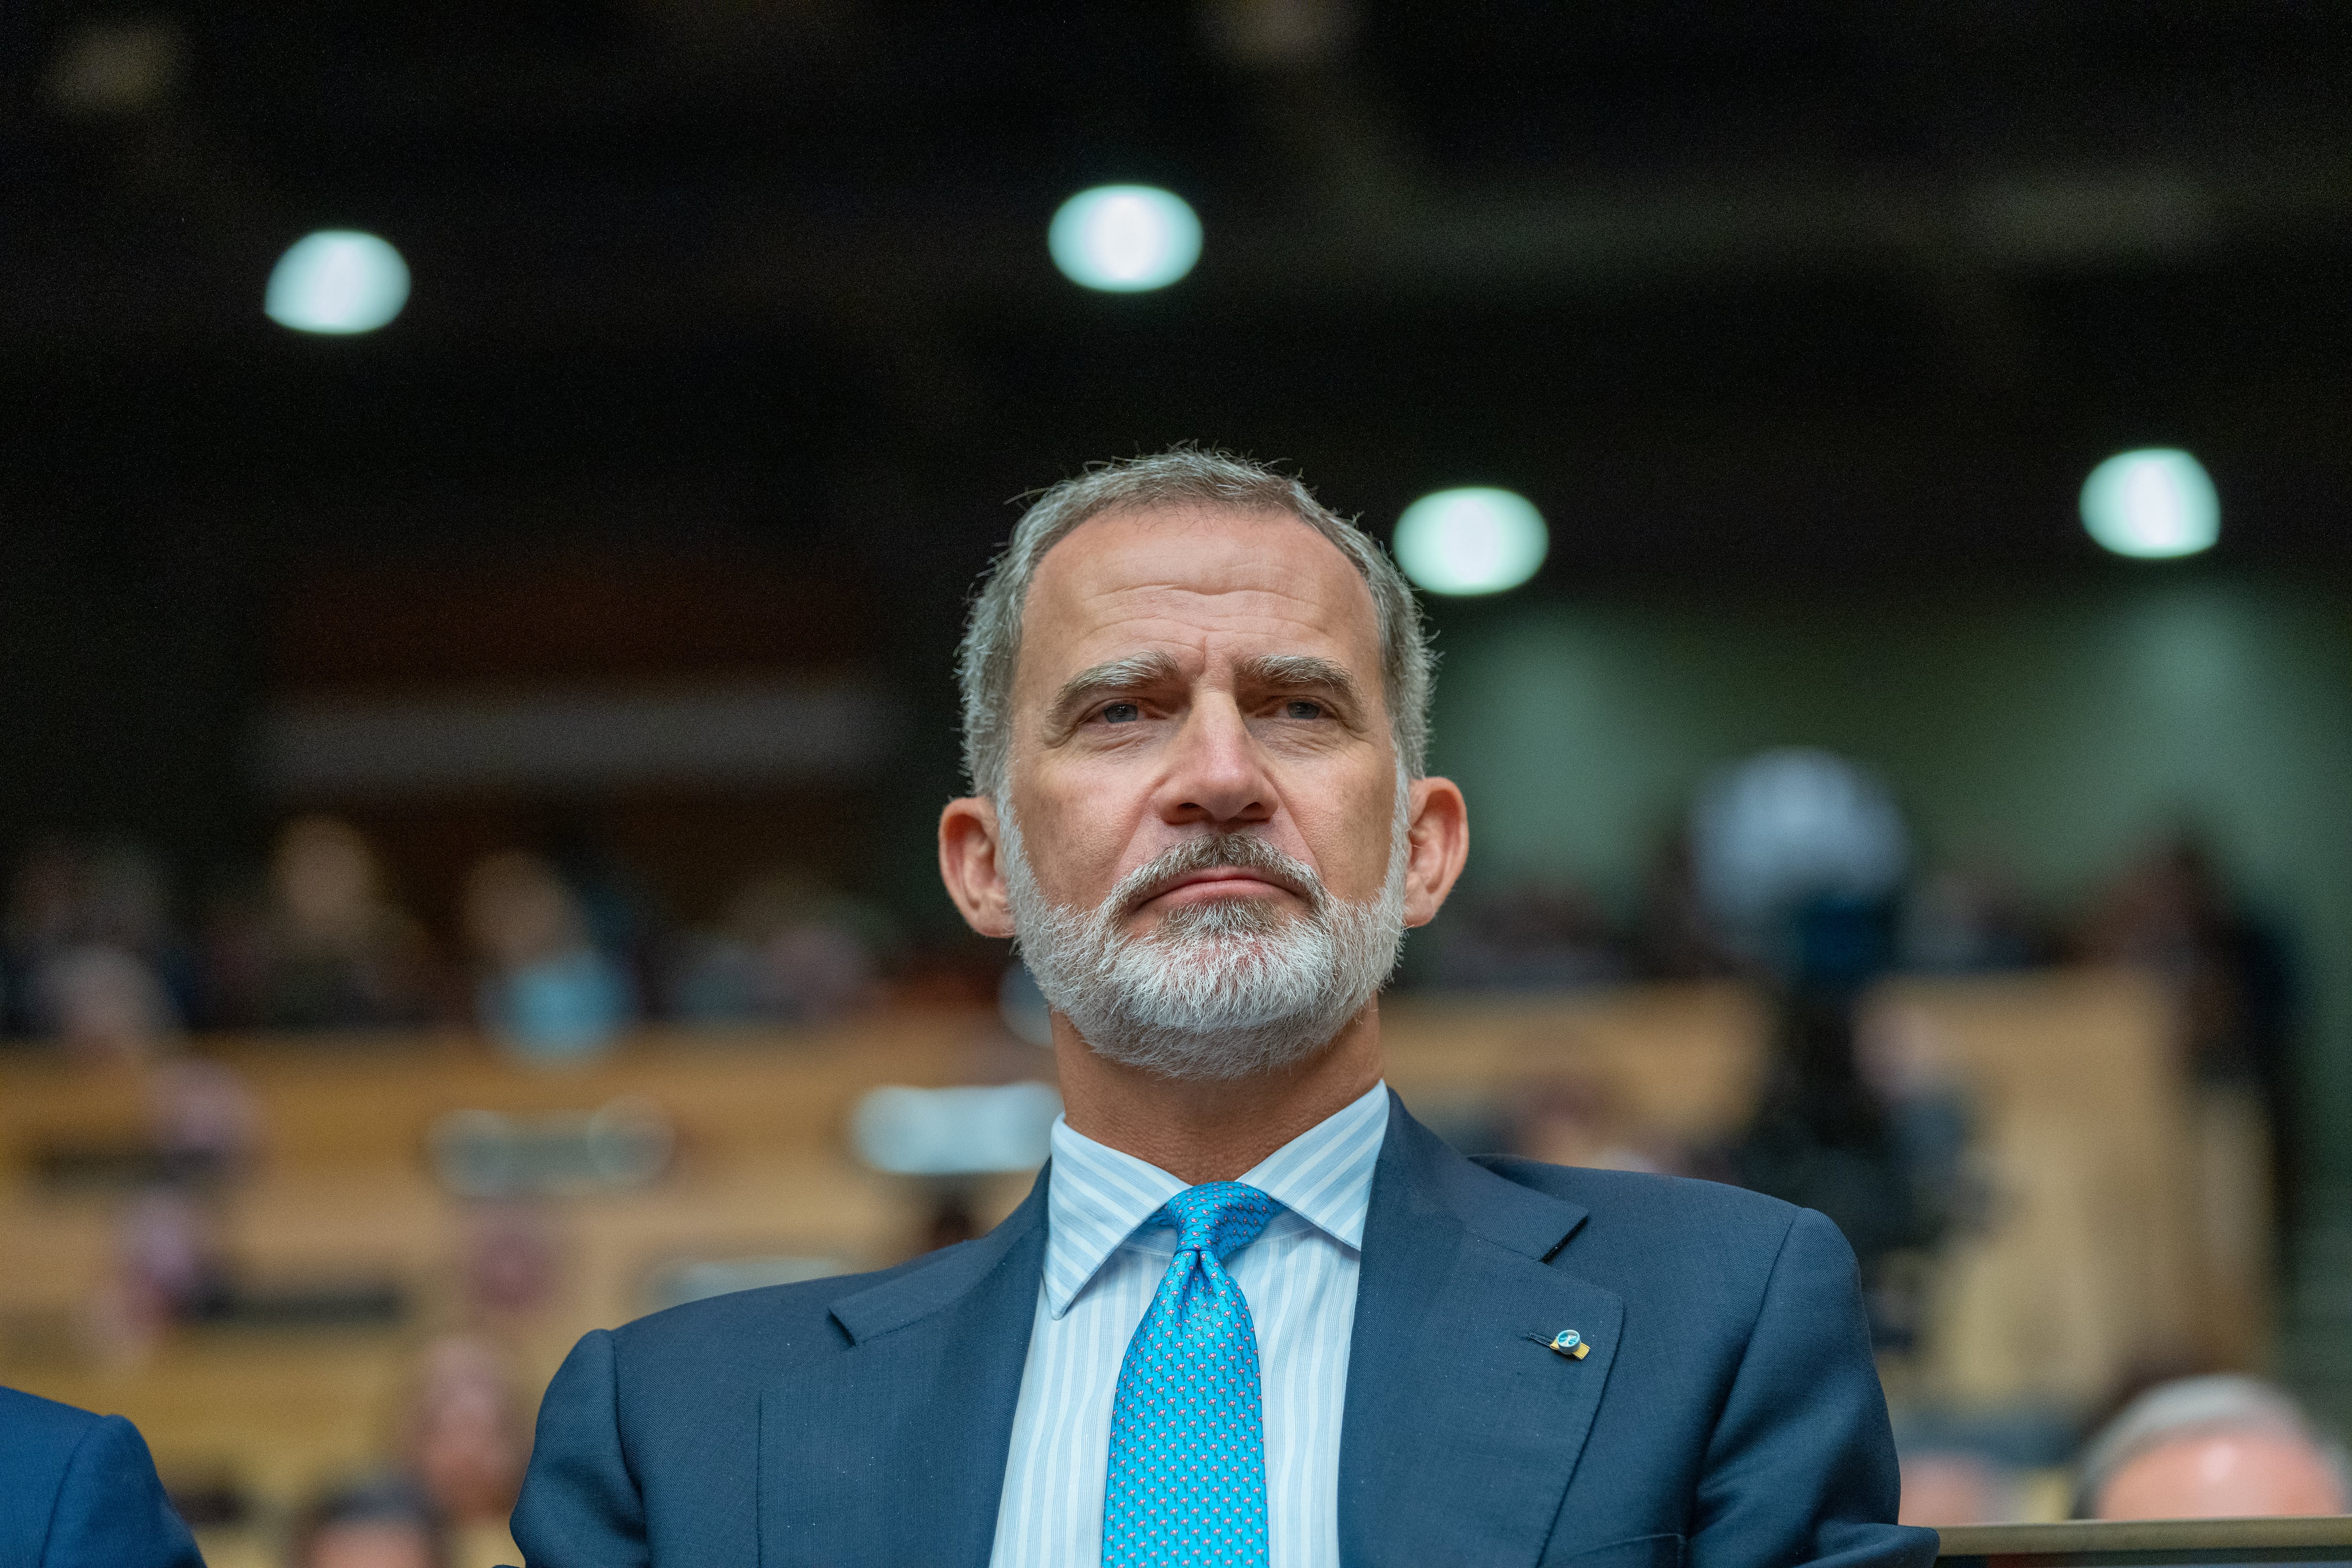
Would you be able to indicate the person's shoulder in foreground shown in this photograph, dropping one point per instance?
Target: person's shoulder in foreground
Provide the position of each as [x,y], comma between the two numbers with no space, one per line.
[79,1490]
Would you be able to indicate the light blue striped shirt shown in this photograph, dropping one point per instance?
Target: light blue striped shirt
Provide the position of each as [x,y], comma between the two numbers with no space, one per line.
[1101,1268]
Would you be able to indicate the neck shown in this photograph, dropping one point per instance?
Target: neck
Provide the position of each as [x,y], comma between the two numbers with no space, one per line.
[1212,1129]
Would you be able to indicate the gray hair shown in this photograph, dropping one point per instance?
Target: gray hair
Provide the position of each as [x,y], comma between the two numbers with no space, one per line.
[1178,477]
[2194,1407]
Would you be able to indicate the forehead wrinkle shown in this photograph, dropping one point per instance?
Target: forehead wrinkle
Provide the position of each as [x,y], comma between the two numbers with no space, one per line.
[1246,598]
[1260,610]
[1230,566]
[1231,557]
[1187,618]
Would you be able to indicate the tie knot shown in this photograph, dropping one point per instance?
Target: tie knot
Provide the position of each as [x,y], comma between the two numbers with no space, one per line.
[1217,1217]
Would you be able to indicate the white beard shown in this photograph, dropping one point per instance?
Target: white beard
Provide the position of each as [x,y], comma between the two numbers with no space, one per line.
[1221,990]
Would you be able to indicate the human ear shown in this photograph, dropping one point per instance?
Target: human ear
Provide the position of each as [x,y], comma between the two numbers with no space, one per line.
[970,867]
[1438,843]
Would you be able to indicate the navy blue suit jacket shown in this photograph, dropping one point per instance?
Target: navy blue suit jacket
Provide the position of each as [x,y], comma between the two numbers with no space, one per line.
[78,1491]
[1727,1417]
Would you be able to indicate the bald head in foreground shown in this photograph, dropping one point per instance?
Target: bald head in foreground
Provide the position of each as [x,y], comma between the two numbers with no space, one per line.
[1253,1313]
[2222,1447]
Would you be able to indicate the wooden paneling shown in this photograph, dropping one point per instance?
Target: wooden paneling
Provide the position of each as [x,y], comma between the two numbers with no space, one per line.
[2095,1250]
[2103,1244]
[762,1165]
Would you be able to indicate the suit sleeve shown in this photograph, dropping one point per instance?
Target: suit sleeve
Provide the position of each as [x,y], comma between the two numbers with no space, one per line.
[1801,1467]
[110,1510]
[580,1506]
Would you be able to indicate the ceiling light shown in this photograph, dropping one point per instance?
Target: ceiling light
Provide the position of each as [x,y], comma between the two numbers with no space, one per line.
[337,281]
[1471,541]
[2152,503]
[1125,238]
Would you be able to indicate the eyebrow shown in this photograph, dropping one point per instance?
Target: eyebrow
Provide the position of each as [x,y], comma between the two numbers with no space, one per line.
[1119,675]
[1302,671]
[1285,671]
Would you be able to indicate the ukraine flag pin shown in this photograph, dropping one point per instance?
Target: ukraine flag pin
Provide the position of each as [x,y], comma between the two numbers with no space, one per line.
[1570,1344]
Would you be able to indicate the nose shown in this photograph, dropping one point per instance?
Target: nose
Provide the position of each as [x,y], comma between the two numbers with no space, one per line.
[1215,776]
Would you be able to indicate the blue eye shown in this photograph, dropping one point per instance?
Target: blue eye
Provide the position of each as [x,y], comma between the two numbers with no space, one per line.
[1300,708]
[1120,713]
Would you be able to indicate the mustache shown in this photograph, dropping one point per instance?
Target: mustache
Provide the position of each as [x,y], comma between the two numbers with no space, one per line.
[1222,851]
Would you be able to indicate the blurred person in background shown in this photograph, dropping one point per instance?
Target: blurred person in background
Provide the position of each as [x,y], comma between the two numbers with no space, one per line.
[42,919]
[787,952]
[1535,935]
[1821,1137]
[1967,919]
[377,1524]
[1930,1118]
[510,1259]
[2223,1446]
[546,991]
[205,1121]
[1798,857]
[1677,937]
[204,1126]
[66,898]
[1953,1486]
[2171,912]
[169,1268]
[328,950]
[127,904]
[1577,1121]
[616,910]
[463,1440]
[80,1490]
[108,1011]
[105,1006]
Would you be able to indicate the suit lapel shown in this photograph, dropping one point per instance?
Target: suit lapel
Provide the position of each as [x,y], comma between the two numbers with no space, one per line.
[1460,1429]
[894,1450]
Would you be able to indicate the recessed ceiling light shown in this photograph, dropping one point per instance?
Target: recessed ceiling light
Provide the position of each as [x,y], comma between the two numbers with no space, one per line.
[1125,238]
[1475,540]
[337,281]
[2152,503]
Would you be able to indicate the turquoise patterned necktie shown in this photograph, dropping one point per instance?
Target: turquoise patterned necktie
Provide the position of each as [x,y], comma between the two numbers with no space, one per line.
[1187,1481]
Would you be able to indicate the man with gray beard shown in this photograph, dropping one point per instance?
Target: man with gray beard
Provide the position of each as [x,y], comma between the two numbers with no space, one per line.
[1225,989]
[1253,1314]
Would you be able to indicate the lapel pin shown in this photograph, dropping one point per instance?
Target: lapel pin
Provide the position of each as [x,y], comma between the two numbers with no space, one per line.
[1570,1344]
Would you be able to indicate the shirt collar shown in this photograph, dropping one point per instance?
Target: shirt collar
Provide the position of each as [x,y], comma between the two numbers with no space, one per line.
[1099,1197]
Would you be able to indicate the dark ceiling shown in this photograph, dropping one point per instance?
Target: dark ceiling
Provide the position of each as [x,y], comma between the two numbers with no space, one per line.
[1761,284]
[1765,293]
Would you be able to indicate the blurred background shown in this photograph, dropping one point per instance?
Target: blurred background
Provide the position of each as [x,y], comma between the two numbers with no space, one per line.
[489,493]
